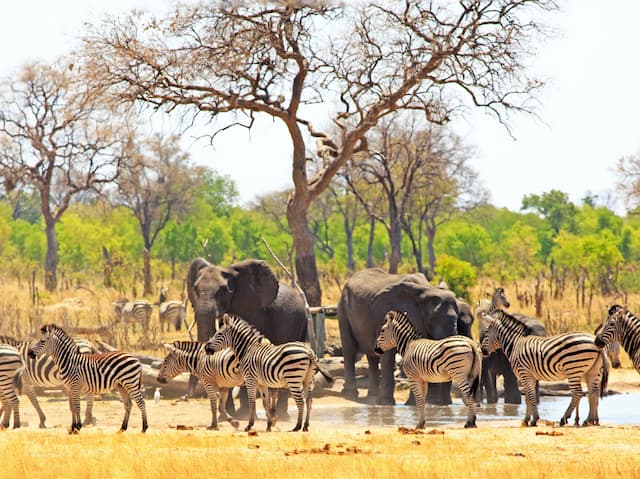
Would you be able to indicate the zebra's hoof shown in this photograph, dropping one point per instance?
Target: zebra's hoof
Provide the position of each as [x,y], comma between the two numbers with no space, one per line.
[563,421]
[212,428]
[470,425]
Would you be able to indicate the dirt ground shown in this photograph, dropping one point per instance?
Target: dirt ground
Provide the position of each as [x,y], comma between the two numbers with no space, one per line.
[195,413]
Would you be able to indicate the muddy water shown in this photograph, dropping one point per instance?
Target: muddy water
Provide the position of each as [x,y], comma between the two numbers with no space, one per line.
[617,409]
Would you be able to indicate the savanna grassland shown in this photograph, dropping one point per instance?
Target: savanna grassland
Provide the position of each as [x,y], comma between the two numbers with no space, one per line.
[178,444]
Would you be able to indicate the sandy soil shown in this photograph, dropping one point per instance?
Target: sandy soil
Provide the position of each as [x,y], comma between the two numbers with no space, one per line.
[195,413]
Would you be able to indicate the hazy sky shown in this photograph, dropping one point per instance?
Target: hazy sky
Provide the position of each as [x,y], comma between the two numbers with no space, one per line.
[588,114]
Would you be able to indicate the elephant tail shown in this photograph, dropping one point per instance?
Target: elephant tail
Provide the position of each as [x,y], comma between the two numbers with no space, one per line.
[476,368]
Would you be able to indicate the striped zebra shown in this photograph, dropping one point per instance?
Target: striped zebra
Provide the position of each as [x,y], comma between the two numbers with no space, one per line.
[612,348]
[573,356]
[497,301]
[92,373]
[42,372]
[172,312]
[218,372]
[10,380]
[134,312]
[454,358]
[267,367]
[623,326]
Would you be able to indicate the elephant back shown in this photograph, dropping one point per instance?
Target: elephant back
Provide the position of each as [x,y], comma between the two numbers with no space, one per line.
[285,318]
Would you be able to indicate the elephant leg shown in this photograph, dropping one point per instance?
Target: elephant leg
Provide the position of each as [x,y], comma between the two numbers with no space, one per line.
[373,389]
[511,391]
[349,351]
[282,405]
[439,393]
[387,383]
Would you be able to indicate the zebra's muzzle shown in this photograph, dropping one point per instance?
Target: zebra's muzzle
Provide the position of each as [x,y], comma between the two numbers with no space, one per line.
[599,342]
[378,350]
[208,348]
[162,380]
[31,354]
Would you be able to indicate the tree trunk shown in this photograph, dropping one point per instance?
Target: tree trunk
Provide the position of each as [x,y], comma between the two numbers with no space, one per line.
[395,238]
[146,260]
[348,232]
[372,232]
[306,268]
[431,236]
[51,259]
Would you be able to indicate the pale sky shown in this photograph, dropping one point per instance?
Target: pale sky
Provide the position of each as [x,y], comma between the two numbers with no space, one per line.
[589,114]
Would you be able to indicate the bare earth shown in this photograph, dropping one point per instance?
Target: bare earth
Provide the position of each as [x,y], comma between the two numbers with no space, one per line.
[195,413]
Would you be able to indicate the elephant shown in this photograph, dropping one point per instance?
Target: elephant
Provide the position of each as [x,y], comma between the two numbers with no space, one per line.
[251,290]
[497,364]
[366,298]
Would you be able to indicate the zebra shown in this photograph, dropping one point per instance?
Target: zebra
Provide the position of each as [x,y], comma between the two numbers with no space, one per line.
[623,326]
[92,373]
[218,372]
[612,349]
[498,300]
[11,371]
[134,312]
[42,372]
[573,356]
[454,358]
[267,367]
[170,312]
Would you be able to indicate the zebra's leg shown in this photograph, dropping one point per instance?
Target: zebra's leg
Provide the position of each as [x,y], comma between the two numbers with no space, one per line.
[308,388]
[126,401]
[223,394]
[419,388]
[297,392]
[274,394]
[213,395]
[531,416]
[74,407]
[15,404]
[88,413]
[6,414]
[593,378]
[252,390]
[576,393]
[267,394]
[31,394]
[467,398]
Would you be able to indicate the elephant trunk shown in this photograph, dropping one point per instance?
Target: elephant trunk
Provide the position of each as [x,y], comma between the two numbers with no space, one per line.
[205,318]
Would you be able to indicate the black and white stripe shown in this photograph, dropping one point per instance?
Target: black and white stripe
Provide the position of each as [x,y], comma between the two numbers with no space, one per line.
[497,301]
[623,326]
[92,373]
[267,367]
[573,356]
[42,372]
[10,372]
[218,372]
[170,312]
[133,312]
[455,358]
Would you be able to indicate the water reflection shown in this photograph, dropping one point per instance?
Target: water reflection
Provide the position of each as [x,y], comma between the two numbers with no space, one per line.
[617,409]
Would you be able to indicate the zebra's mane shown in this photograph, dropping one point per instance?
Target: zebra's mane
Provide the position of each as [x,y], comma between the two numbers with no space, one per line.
[240,324]
[61,334]
[187,345]
[402,318]
[508,320]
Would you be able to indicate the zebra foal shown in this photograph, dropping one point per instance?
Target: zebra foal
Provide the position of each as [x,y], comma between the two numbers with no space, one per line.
[218,372]
[92,373]
[455,358]
[170,312]
[11,371]
[623,326]
[571,356]
[267,367]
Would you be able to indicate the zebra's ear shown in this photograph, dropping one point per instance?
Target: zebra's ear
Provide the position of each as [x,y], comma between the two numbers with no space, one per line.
[226,319]
[169,347]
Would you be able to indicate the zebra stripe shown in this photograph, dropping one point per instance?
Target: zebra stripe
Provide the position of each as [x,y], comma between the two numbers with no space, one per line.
[498,300]
[454,358]
[42,372]
[573,356]
[623,326]
[92,373]
[266,366]
[218,372]
[172,312]
[10,372]
[612,349]
[134,312]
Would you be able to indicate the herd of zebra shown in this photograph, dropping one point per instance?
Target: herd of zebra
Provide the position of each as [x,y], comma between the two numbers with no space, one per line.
[238,354]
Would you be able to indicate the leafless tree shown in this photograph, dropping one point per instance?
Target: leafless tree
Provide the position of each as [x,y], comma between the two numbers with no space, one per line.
[157,185]
[361,61]
[628,175]
[56,139]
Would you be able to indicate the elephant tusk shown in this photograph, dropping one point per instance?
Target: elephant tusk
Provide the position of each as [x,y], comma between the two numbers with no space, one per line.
[190,328]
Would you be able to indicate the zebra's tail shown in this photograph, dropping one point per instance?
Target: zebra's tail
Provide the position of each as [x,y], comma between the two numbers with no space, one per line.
[322,370]
[476,369]
[604,382]
[17,380]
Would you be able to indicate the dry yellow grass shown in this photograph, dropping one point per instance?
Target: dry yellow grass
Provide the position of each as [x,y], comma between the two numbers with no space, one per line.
[489,451]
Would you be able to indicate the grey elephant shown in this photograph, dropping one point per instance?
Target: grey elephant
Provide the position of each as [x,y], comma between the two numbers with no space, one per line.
[251,290]
[366,297]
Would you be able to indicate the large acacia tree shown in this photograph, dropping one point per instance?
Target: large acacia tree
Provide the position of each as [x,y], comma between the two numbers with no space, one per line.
[361,61]
[56,140]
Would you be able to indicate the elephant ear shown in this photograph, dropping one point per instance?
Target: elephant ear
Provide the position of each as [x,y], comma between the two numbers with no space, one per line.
[195,268]
[401,295]
[255,281]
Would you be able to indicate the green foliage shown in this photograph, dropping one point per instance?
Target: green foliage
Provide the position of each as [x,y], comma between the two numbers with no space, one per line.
[459,275]
[466,241]
[554,206]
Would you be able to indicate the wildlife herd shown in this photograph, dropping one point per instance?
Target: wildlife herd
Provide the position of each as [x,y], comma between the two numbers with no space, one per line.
[252,331]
